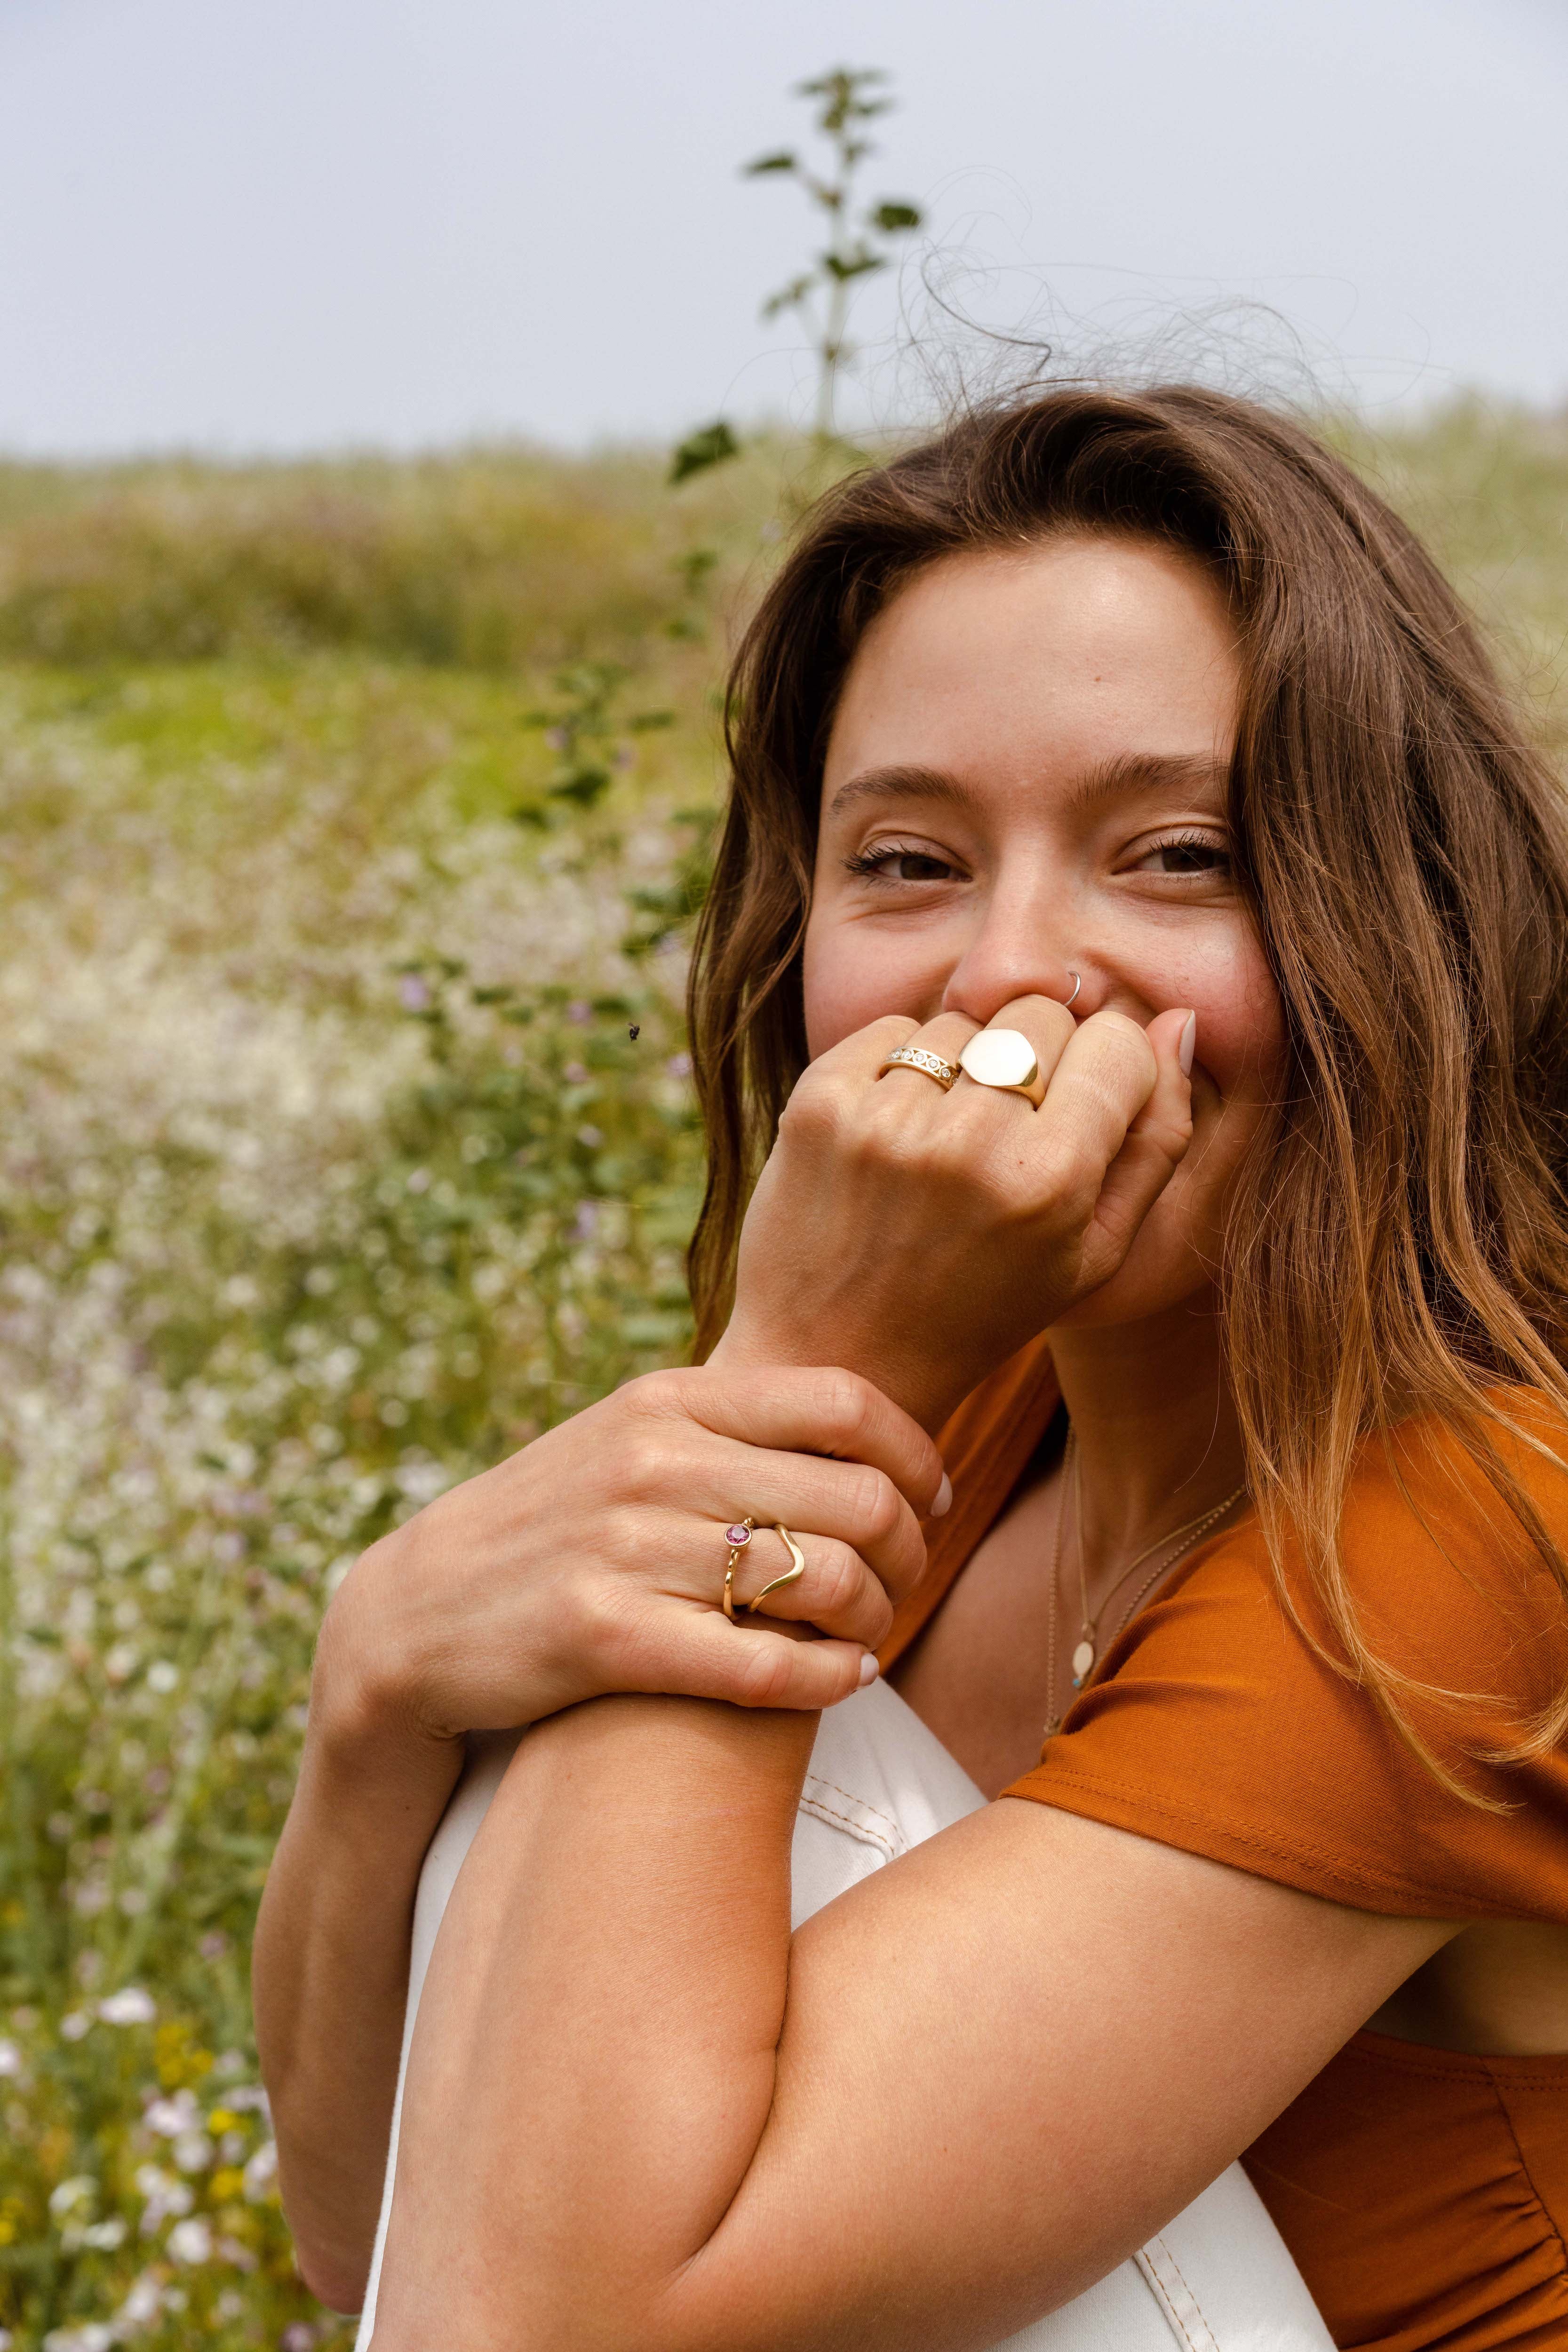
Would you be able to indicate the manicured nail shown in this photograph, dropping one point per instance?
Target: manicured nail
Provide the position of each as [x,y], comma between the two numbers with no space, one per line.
[943,1502]
[869,1669]
[1188,1045]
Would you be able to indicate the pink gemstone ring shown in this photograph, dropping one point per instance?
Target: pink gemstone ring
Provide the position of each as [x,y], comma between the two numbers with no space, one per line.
[737,1537]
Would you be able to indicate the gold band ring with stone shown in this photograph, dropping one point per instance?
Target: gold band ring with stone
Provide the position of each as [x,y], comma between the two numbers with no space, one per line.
[915,1057]
[738,1536]
[1004,1060]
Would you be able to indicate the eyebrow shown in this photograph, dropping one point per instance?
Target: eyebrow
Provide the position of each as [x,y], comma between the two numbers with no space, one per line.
[1128,772]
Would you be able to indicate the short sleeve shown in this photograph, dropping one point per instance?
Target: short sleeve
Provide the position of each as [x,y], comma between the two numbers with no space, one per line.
[1223,1721]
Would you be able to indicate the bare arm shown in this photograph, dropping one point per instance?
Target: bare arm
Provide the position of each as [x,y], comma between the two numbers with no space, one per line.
[330,1969]
[589,1562]
[636,2115]
[884,1235]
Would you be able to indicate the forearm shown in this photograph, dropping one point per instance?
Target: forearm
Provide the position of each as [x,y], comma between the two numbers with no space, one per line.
[595,2062]
[330,1984]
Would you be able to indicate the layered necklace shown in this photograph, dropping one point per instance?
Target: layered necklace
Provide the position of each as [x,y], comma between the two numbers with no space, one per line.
[1171,1549]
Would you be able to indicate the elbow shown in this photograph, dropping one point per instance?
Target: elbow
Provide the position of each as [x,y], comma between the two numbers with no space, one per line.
[336,2276]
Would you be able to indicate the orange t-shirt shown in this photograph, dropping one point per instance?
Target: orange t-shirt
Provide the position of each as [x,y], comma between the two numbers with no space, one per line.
[1422,2192]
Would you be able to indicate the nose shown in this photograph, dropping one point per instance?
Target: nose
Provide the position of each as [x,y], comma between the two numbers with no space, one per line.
[1018,951]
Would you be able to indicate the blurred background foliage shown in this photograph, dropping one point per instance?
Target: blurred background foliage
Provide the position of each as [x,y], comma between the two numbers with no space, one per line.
[353,816]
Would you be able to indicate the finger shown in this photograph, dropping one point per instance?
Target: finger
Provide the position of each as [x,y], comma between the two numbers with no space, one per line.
[699,1653]
[804,1409]
[1156,1140]
[863,1052]
[945,1036]
[1103,1079]
[1049,1028]
[837,1590]
[723,1482]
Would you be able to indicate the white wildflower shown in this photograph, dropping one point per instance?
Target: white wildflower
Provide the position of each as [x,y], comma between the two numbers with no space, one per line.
[133,2006]
[141,2306]
[176,2113]
[75,2025]
[261,2171]
[164,2195]
[193,2152]
[10,2064]
[163,1677]
[80,2189]
[191,2241]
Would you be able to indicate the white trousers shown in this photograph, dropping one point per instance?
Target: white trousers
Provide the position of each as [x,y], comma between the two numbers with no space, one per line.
[1217,2279]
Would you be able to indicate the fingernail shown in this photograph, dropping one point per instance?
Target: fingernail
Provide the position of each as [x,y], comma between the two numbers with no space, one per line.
[943,1502]
[1188,1045]
[869,1669]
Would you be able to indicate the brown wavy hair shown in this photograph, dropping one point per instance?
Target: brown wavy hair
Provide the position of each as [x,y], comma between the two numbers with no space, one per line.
[1398,1239]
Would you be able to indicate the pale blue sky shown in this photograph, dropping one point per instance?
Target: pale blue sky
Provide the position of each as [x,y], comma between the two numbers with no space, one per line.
[315,223]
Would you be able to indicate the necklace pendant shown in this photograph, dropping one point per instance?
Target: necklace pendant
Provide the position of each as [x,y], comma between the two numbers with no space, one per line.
[1082,1663]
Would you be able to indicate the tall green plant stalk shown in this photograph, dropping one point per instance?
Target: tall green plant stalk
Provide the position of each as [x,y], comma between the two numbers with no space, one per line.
[859,240]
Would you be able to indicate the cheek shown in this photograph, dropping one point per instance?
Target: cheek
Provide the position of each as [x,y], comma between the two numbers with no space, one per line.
[852,974]
[1240,1021]
[828,988]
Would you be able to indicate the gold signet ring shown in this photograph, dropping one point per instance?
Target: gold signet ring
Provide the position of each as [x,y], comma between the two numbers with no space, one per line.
[1004,1058]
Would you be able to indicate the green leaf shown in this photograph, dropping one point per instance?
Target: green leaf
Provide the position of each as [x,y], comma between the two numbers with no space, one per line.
[858,265]
[893,218]
[709,445]
[787,297]
[782,160]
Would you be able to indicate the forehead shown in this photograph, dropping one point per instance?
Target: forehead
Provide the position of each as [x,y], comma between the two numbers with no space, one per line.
[1042,662]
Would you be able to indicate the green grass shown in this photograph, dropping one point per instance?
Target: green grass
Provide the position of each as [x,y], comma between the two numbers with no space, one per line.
[330,1170]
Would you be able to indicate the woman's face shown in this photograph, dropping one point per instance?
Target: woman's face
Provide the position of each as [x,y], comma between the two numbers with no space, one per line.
[1026,778]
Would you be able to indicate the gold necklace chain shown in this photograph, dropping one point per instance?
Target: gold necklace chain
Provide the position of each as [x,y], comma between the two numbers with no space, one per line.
[1172,1547]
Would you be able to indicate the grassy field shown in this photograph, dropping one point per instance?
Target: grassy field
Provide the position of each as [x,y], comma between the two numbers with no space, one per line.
[351,815]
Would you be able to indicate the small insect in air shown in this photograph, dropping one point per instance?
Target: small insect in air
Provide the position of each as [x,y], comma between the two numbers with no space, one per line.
[634,1032]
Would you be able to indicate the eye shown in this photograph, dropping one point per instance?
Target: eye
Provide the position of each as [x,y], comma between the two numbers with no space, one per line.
[891,861]
[1188,857]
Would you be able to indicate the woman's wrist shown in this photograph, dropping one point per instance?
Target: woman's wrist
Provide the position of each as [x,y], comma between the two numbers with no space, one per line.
[364,1731]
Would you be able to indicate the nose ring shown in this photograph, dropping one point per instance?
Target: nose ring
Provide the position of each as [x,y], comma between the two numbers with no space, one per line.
[1076,980]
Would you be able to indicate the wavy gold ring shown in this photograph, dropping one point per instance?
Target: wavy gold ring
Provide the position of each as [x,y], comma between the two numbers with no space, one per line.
[738,1536]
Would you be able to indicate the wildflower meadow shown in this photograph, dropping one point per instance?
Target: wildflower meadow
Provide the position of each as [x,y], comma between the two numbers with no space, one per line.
[353,818]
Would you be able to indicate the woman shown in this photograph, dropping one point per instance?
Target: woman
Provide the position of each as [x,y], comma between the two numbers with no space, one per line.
[1134,737]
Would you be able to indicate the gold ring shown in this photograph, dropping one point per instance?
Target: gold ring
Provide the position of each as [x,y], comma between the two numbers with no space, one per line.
[739,1536]
[915,1057]
[796,1568]
[1003,1059]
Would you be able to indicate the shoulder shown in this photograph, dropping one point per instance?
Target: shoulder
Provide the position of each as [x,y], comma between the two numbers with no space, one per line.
[1449,1556]
[1239,1717]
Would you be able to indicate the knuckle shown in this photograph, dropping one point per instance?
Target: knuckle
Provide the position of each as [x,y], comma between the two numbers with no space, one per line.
[840,1576]
[818,1104]
[842,1401]
[764,1673]
[599,1613]
[876,1505]
[663,1393]
[642,1464]
[1069,1183]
